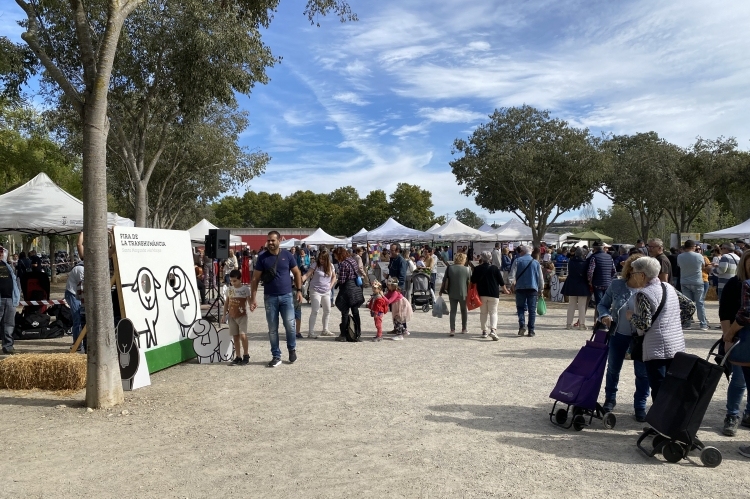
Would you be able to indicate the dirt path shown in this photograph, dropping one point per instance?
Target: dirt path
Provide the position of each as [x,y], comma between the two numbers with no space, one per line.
[431,416]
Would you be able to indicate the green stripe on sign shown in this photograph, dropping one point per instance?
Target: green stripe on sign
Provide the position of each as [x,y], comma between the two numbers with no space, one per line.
[169,355]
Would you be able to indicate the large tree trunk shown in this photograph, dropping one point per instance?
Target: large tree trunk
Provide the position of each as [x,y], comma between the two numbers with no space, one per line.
[103,387]
[141,203]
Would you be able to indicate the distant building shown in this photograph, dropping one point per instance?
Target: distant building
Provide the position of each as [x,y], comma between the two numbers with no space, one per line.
[256,237]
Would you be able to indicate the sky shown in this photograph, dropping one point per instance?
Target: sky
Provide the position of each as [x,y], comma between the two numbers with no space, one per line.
[380,101]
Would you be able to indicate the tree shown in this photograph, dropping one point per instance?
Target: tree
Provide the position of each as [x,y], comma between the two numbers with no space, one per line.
[697,179]
[468,217]
[200,163]
[343,214]
[410,205]
[615,223]
[643,167]
[374,210]
[76,44]
[525,162]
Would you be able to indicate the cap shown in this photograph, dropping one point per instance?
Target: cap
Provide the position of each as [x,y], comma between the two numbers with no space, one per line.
[597,244]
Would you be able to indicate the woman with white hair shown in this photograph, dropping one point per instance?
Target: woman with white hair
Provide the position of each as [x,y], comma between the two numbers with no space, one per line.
[657,314]
[489,280]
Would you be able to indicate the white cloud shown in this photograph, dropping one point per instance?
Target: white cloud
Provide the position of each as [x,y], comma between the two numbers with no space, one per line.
[350,98]
[482,46]
[409,129]
[450,115]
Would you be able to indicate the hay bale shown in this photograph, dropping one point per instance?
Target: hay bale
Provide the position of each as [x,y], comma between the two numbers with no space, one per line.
[54,371]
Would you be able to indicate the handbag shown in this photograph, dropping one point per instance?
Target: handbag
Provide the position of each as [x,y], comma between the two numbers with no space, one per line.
[472,299]
[268,275]
[358,280]
[636,341]
[541,306]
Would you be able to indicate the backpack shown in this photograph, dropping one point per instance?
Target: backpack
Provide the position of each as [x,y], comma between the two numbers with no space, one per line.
[350,333]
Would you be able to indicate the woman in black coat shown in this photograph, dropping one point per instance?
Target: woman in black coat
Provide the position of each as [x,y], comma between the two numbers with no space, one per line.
[489,281]
[576,288]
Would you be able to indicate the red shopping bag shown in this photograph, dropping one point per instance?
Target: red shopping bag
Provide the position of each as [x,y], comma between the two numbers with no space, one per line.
[473,301]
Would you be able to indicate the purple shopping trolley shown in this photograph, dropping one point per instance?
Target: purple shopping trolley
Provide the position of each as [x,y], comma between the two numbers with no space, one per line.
[578,386]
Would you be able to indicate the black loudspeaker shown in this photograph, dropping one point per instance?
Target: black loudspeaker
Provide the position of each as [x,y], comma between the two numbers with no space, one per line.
[217,244]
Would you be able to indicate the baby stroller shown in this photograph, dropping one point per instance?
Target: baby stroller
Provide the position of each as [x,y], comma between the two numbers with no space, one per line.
[578,386]
[421,295]
[678,411]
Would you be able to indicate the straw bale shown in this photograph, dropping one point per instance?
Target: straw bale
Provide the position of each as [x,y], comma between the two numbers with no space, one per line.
[54,371]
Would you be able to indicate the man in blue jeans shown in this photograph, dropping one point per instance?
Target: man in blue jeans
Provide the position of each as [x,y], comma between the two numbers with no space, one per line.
[277,264]
[10,296]
[527,279]
[691,281]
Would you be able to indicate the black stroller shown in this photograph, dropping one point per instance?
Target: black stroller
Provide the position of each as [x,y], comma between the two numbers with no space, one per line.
[678,411]
[578,386]
[421,295]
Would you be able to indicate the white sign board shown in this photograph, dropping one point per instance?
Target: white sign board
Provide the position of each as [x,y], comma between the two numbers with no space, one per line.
[159,292]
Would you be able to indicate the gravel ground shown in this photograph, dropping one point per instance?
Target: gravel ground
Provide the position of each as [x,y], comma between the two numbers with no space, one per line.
[430,416]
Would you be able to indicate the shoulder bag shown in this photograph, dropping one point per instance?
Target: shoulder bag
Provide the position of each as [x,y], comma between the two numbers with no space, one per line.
[513,286]
[269,275]
[636,342]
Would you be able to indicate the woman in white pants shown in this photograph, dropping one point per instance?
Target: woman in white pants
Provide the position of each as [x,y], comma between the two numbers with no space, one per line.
[322,279]
[489,281]
[576,288]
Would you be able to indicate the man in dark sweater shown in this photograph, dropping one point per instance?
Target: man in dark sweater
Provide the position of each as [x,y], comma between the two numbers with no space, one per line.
[601,270]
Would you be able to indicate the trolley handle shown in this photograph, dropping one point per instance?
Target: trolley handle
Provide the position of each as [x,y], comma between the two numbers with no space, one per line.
[726,354]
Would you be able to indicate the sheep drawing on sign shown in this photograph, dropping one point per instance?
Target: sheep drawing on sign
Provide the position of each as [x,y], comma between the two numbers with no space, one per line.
[209,345]
[181,293]
[127,349]
[146,285]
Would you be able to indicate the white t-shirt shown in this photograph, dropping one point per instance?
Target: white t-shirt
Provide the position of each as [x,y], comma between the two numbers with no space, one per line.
[74,279]
[320,282]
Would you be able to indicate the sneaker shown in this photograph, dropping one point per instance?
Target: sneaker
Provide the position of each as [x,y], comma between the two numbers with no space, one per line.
[245,360]
[236,362]
[406,332]
[484,334]
[292,356]
[746,420]
[569,326]
[8,351]
[453,333]
[312,336]
[463,332]
[275,362]
[521,331]
[398,337]
[377,338]
[582,327]
[299,335]
[341,338]
[531,333]
[494,336]
[326,333]
[609,405]
[745,450]
[704,328]
[730,425]
[640,416]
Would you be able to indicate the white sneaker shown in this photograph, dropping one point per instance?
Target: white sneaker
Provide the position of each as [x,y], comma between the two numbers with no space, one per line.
[494,335]
[582,327]
[312,335]
[398,337]
[326,333]
[569,326]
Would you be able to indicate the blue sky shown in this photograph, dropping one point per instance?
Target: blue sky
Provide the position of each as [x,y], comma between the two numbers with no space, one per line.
[380,101]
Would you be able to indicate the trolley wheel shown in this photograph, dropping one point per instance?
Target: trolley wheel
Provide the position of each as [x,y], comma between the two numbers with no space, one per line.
[673,452]
[577,410]
[425,308]
[413,308]
[711,457]
[609,420]
[561,416]
[579,422]
[658,440]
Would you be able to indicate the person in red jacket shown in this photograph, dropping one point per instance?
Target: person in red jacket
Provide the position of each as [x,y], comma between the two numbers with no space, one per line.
[378,306]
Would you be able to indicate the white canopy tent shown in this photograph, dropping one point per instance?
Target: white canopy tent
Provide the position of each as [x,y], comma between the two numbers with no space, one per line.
[515,230]
[433,228]
[289,243]
[455,230]
[742,231]
[392,231]
[199,231]
[41,207]
[485,228]
[321,237]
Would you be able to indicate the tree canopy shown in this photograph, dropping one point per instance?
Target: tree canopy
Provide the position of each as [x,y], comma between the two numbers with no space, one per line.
[525,162]
[468,217]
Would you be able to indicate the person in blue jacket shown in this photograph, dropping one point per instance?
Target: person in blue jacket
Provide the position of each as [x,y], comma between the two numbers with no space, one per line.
[612,309]
[576,288]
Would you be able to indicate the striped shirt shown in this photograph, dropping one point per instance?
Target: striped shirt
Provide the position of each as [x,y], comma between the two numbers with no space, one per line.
[727,268]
